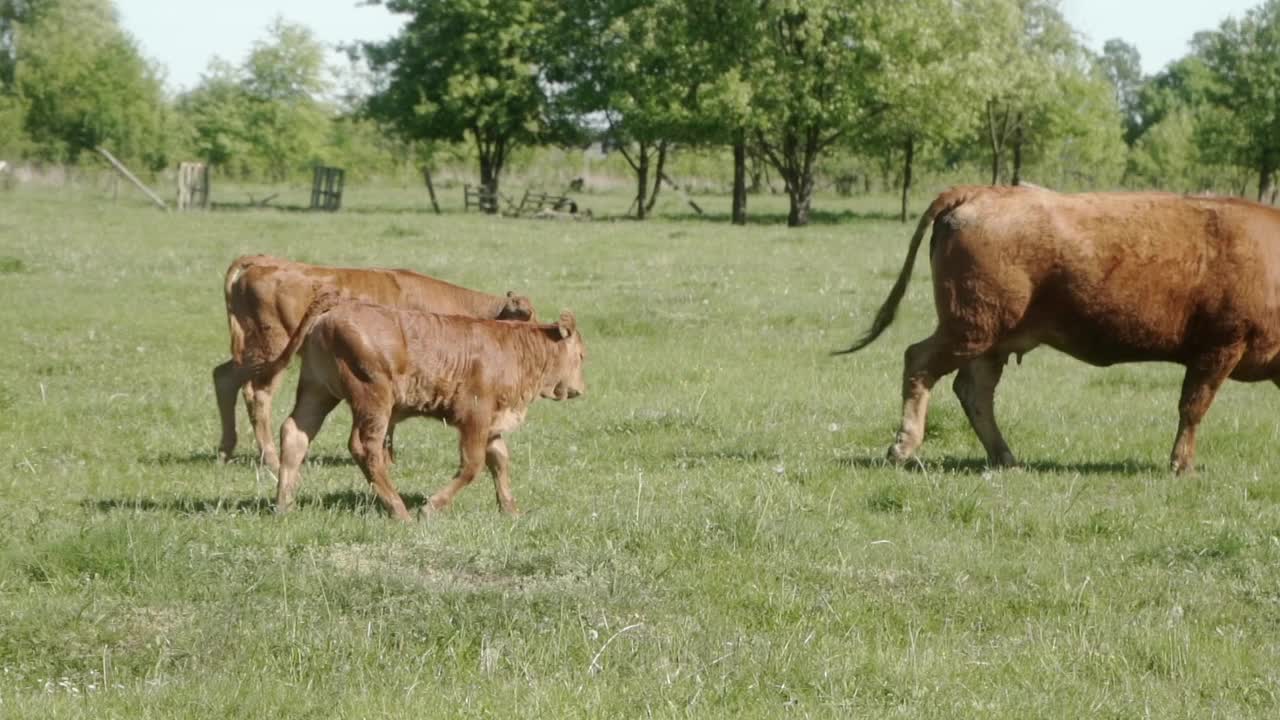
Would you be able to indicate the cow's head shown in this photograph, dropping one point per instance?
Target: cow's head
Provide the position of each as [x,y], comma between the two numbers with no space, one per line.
[565,379]
[517,307]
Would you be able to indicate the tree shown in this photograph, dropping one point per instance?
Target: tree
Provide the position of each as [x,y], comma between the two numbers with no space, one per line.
[465,69]
[931,70]
[216,112]
[1123,67]
[1046,97]
[633,66]
[1244,58]
[83,83]
[282,80]
[811,86]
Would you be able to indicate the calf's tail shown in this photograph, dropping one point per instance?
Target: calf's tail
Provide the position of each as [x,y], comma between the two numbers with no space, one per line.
[884,317]
[322,303]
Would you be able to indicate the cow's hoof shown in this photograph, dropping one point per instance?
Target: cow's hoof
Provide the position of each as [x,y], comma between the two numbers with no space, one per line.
[224,456]
[1003,460]
[1182,467]
[897,455]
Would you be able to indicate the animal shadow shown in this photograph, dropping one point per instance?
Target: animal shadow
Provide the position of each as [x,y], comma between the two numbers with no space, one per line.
[343,500]
[208,457]
[978,466]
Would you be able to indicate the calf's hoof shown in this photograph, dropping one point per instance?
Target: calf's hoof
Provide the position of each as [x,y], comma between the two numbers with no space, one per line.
[1182,467]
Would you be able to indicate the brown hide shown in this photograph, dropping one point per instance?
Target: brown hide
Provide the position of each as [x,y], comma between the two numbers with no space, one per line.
[266,298]
[1104,277]
[479,376]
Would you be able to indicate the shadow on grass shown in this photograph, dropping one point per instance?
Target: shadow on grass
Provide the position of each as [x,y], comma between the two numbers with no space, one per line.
[977,466]
[816,217]
[345,500]
[208,457]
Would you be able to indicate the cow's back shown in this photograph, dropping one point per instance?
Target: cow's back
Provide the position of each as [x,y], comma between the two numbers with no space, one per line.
[267,297]
[1107,277]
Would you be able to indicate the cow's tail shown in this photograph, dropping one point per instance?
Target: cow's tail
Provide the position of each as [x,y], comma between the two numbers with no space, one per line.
[884,317]
[322,303]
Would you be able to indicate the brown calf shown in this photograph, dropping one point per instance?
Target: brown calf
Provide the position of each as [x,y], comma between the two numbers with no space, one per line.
[391,363]
[266,298]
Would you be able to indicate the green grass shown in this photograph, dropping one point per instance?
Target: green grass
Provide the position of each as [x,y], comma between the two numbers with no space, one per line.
[710,531]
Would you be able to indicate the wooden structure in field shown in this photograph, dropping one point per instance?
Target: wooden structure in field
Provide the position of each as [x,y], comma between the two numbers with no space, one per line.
[326,188]
[193,186]
[479,197]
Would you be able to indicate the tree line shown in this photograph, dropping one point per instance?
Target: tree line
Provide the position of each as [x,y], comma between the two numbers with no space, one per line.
[855,87]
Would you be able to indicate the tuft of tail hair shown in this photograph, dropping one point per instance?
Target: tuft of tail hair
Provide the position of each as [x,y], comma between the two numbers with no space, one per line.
[945,202]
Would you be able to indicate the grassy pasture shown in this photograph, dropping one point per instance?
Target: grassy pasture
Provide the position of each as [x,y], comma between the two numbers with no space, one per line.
[710,531]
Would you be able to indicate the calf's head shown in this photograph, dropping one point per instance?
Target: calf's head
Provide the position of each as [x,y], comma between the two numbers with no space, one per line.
[565,377]
[517,307]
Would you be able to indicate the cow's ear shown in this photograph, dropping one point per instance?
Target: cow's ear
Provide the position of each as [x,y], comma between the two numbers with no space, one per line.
[567,324]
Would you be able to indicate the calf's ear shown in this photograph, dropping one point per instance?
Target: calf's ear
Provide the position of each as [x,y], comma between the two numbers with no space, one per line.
[567,324]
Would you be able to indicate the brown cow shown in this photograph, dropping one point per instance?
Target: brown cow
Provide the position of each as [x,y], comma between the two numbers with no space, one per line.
[266,298]
[392,363]
[1106,278]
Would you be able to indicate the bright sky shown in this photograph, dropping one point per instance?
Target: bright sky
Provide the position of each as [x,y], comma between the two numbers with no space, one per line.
[1160,29]
[183,35]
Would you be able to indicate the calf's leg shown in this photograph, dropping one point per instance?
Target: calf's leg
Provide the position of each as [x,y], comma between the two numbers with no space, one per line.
[368,435]
[496,457]
[975,386]
[923,364]
[227,379]
[258,394]
[472,443]
[313,404]
[1199,386]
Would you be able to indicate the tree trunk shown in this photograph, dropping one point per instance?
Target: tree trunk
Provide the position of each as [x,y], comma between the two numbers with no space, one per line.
[642,181]
[1017,150]
[492,155]
[657,176]
[431,188]
[800,193]
[740,180]
[1266,177]
[906,174]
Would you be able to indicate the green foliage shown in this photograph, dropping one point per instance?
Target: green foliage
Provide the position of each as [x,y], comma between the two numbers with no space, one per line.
[284,121]
[811,84]
[83,83]
[1244,59]
[464,69]
[1122,64]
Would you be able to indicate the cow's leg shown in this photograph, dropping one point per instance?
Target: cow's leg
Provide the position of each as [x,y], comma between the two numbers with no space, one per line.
[314,403]
[496,457]
[389,444]
[1204,376]
[368,435]
[259,394]
[975,386]
[227,380]
[472,442]
[923,364]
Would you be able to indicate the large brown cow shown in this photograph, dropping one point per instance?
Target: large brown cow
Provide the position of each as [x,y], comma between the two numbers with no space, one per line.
[389,363]
[266,297]
[1106,278]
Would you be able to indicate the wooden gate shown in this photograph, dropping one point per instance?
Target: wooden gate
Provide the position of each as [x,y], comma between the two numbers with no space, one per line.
[326,188]
[193,186]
